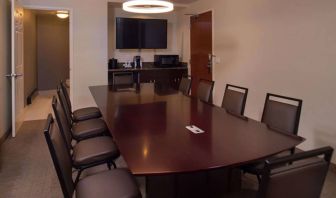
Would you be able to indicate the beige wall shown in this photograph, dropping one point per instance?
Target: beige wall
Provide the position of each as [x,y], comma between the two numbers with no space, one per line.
[5,103]
[30,54]
[284,47]
[147,55]
[52,51]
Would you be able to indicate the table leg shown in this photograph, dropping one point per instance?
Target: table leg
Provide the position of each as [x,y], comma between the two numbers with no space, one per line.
[163,186]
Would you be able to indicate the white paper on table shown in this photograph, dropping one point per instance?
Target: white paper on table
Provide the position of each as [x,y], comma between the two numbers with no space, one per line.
[194,129]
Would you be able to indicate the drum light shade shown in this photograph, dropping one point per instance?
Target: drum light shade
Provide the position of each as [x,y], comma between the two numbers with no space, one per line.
[148,6]
[62,14]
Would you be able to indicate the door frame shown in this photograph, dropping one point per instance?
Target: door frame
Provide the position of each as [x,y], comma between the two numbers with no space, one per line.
[213,41]
[13,83]
[71,40]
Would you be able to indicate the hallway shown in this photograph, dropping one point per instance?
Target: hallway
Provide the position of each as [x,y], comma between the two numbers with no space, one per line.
[40,107]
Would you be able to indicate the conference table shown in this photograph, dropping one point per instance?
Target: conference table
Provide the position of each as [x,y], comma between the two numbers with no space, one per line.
[148,123]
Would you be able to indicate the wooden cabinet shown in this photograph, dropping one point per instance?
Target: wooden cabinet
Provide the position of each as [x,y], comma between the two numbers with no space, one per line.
[171,76]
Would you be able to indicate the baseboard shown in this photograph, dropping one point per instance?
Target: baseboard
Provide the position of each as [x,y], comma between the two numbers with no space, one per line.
[5,136]
[332,167]
[31,96]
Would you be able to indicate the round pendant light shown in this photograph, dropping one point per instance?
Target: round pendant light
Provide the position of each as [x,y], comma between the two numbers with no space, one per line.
[148,6]
[62,14]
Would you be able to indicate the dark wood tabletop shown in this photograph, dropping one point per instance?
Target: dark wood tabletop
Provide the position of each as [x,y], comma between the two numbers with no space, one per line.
[149,127]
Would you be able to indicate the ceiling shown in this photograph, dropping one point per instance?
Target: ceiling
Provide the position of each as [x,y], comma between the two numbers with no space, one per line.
[45,12]
[183,1]
[179,3]
[173,1]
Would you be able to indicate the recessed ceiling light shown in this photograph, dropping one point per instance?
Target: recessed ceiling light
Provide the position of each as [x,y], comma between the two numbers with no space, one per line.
[148,6]
[62,14]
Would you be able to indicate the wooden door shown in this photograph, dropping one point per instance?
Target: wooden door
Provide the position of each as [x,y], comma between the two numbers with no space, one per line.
[200,48]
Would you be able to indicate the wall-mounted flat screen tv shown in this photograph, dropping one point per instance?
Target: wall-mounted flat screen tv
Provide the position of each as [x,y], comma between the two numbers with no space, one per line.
[135,33]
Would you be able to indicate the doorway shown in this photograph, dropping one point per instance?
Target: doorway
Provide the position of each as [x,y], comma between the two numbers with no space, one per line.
[201,49]
[46,59]
[41,58]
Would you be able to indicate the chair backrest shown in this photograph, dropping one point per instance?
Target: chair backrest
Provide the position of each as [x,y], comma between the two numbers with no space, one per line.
[123,78]
[185,85]
[299,175]
[282,113]
[60,157]
[65,104]
[62,122]
[234,99]
[63,86]
[204,90]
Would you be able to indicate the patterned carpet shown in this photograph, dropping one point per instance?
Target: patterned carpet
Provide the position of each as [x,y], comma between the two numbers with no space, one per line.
[26,167]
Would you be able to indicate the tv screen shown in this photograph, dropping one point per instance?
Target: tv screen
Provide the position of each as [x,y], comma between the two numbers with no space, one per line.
[141,33]
[127,33]
[154,34]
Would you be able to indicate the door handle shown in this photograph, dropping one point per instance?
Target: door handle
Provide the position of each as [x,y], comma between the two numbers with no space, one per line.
[210,60]
[13,75]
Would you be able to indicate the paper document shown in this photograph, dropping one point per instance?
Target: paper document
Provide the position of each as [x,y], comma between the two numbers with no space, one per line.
[195,129]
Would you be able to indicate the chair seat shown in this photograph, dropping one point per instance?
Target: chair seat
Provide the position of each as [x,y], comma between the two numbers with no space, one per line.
[242,194]
[86,114]
[94,150]
[117,183]
[256,168]
[88,129]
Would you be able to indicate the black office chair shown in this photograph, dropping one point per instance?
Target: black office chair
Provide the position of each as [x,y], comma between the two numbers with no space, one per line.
[280,114]
[112,184]
[185,85]
[84,129]
[283,116]
[80,114]
[204,90]
[299,175]
[89,152]
[234,99]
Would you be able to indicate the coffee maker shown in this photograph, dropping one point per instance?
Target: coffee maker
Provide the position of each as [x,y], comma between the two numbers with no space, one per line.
[137,62]
[113,63]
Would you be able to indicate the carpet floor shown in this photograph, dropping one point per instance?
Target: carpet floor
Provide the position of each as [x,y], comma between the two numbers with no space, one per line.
[26,167]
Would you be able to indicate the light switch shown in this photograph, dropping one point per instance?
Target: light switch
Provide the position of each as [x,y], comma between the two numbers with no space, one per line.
[217,60]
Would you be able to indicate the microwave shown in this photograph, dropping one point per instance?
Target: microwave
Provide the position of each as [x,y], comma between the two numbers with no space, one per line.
[166,60]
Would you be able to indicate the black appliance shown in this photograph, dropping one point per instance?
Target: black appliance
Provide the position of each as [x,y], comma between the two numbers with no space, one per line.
[166,60]
[137,61]
[113,63]
[132,33]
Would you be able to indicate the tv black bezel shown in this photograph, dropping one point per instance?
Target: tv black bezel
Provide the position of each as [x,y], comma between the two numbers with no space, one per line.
[165,46]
